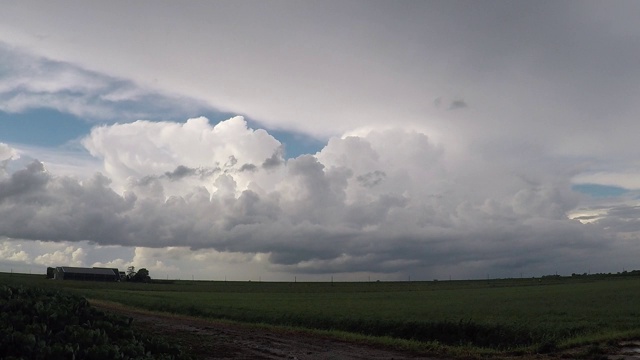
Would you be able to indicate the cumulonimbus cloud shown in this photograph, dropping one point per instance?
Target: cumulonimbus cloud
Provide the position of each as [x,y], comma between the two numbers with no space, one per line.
[381,202]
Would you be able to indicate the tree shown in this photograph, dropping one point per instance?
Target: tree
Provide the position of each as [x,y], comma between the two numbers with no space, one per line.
[131,272]
[141,276]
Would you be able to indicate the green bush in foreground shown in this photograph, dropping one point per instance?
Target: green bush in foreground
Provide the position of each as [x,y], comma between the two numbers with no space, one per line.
[40,324]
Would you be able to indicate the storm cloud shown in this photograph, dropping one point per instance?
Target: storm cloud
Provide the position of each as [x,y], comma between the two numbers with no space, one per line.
[312,214]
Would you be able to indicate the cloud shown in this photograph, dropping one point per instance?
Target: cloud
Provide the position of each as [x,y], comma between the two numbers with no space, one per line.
[70,256]
[179,150]
[371,179]
[248,167]
[348,80]
[13,253]
[6,154]
[24,182]
[180,172]
[457,104]
[386,202]
[32,82]
[401,184]
[275,160]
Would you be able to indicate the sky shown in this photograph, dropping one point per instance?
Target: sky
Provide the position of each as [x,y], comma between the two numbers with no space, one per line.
[359,140]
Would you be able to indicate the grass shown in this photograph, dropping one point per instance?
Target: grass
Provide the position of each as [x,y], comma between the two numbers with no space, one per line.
[513,315]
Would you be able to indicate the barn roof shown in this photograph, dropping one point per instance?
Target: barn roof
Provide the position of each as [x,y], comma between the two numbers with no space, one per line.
[92,271]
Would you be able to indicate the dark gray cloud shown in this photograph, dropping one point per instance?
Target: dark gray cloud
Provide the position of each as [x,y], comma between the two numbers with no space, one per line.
[455,104]
[458,104]
[248,167]
[372,178]
[24,182]
[35,205]
[180,172]
[231,162]
[275,160]
[622,218]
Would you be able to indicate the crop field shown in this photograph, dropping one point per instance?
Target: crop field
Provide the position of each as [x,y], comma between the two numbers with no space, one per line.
[512,315]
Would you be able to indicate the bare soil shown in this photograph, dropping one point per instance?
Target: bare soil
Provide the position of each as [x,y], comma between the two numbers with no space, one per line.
[210,339]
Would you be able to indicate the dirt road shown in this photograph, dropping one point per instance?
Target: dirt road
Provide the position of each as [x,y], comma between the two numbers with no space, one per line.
[210,339]
[219,340]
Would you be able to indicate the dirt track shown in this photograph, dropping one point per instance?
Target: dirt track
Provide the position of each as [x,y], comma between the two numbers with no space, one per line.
[218,340]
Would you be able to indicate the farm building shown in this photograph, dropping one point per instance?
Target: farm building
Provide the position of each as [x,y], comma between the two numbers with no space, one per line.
[92,274]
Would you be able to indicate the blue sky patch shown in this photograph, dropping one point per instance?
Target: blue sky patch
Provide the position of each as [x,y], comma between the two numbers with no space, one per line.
[41,127]
[296,144]
[597,190]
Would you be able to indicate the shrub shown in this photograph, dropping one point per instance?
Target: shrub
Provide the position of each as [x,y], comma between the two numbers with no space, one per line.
[39,324]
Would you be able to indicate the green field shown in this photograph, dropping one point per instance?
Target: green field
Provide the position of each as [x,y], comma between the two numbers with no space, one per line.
[514,315]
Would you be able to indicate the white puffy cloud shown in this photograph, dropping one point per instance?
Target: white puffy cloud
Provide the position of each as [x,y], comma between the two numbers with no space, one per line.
[6,154]
[194,152]
[13,253]
[70,256]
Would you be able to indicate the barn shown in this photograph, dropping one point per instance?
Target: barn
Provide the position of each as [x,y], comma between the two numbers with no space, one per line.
[91,274]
